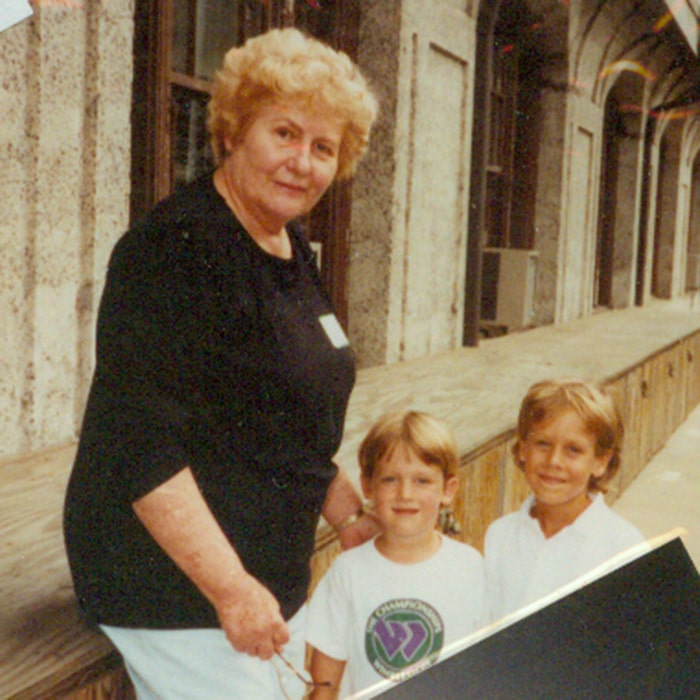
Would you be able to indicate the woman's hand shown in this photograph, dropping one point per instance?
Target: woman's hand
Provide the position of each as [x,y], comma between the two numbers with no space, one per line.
[179,520]
[362,529]
[343,511]
[252,620]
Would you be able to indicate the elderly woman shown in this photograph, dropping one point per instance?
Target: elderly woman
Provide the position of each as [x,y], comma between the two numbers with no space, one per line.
[219,395]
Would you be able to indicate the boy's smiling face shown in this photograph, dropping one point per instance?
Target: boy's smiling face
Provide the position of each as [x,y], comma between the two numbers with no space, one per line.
[408,493]
[559,458]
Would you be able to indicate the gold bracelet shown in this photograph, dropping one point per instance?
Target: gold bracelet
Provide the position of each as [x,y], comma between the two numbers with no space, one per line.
[350,520]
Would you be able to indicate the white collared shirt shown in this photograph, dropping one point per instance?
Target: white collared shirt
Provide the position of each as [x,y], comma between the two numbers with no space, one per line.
[523,566]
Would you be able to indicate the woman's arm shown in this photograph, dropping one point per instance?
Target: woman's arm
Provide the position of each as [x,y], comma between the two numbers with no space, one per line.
[178,518]
[343,511]
[327,670]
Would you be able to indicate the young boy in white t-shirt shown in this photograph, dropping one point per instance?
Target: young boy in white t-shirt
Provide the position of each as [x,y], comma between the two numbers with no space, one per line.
[386,608]
[568,443]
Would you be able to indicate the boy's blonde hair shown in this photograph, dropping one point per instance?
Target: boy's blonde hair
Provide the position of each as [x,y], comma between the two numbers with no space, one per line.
[594,405]
[284,65]
[426,436]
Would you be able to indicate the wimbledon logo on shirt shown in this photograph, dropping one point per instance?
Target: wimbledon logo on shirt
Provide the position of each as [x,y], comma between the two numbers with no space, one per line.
[400,633]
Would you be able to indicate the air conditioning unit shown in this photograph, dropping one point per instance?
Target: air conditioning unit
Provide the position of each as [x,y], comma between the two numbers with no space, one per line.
[509,276]
[692,275]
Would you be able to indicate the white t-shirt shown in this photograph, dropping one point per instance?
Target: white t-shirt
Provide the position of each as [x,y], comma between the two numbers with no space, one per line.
[523,566]
[382,617]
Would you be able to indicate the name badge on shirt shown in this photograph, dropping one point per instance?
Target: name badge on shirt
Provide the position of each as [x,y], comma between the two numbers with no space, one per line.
[333,330]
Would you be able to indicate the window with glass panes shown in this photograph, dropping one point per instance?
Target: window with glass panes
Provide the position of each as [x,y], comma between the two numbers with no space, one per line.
[515,96]
[178,45]
[499,174]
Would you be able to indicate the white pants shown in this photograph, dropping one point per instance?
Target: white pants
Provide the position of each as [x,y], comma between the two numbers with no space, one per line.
[201,664]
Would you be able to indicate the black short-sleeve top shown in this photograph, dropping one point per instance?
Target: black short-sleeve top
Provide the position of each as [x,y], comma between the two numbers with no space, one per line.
[212,354]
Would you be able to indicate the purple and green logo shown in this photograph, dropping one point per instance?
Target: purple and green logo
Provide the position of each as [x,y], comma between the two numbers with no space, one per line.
[400,634]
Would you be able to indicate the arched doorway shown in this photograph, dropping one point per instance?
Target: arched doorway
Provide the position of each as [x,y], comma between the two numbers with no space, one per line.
[669,162]
[622,154]
[692,273]
[518,113]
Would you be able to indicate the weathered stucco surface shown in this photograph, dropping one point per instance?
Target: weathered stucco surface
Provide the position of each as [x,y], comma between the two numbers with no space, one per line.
[65,75]
[408,266]
[65,94]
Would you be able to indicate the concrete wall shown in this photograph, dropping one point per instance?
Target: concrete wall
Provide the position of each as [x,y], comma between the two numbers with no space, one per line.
[65,78]
[408,240]
[65,75]
[406,282]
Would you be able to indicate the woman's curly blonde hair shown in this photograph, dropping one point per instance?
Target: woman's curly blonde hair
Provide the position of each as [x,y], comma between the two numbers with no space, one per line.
[284,65]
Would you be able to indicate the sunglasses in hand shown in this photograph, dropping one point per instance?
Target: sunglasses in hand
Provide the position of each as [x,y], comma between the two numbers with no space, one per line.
[307,682]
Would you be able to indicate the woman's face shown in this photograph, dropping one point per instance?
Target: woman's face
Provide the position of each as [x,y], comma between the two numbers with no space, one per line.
[286,160]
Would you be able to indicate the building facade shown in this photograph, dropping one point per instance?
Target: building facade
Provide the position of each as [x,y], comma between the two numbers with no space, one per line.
[535,161]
